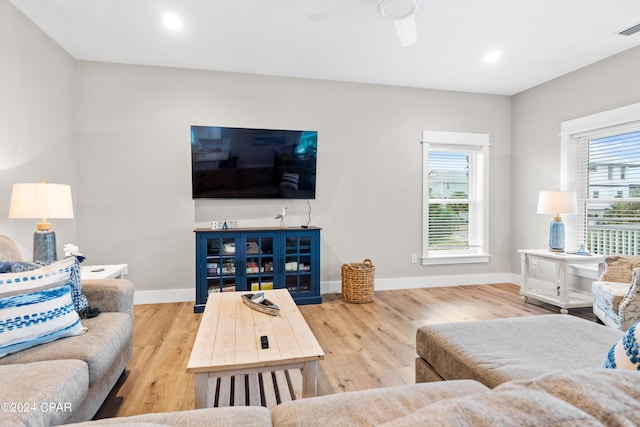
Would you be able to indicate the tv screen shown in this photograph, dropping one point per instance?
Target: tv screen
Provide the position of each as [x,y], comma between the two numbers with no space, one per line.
[244,163]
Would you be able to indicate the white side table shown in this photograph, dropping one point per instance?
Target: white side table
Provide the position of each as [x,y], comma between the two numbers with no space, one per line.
[115,271]
[552,284]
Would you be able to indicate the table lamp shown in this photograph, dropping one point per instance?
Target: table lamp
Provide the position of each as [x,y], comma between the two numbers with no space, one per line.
[557,202]
[42,200]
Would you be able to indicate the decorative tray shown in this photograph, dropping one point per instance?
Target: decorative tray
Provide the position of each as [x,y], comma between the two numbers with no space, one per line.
[259,303]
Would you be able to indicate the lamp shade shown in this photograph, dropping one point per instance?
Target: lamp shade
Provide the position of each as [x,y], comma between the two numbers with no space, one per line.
[557,202]
[41,200]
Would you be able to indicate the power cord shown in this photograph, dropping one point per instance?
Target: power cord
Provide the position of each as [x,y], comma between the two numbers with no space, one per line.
[308,215]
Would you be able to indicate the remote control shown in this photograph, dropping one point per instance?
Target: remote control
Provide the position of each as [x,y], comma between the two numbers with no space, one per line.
[264,341]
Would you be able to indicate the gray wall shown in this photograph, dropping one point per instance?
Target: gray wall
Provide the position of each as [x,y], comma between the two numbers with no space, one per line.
[37,138]
[119,135]
[537,114]
[134,199]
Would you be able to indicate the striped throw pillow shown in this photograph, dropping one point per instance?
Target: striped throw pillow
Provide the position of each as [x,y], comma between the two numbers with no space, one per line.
[36,307]
[289,180]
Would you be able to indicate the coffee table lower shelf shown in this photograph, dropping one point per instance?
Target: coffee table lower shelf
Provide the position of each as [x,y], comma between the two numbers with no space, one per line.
[268,389]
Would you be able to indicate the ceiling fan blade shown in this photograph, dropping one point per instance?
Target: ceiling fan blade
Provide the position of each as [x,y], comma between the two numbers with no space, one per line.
[334,12]
[406,29]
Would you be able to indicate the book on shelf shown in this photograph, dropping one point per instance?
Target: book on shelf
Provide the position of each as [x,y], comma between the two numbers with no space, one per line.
[264,286]
[252,267]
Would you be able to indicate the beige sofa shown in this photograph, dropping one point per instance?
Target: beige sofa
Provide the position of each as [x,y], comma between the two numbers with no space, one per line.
[538,370]
[67,380]
[594,397]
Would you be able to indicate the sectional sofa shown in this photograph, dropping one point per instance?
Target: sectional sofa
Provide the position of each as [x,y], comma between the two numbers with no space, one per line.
[594,397]
[66,380]
[532,371]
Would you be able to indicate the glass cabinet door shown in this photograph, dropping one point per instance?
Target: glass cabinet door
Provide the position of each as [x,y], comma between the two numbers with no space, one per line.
[259,266]
[297,263]
[221,264]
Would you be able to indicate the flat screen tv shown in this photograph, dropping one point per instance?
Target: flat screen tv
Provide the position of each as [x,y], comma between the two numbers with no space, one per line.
[242,163]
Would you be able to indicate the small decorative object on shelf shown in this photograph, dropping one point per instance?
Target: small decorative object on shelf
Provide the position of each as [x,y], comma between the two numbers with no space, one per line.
[224,224]
[259,303]
[72,250]
[281,216]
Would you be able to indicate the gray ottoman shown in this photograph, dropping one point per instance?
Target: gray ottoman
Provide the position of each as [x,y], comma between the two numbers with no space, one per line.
[496,351]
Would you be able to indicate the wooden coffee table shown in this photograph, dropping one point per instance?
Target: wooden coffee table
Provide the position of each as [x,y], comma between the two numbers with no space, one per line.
[228,343]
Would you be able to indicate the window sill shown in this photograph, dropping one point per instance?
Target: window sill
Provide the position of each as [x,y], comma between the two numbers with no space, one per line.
[455,259]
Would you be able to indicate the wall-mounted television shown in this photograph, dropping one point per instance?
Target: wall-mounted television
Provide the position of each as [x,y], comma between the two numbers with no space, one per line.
[244,163]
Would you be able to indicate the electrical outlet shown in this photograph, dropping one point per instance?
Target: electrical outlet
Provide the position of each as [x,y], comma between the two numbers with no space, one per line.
[414,258]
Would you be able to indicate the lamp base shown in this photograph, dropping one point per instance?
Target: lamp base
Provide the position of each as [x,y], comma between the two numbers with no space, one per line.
[556,236]
[44,247]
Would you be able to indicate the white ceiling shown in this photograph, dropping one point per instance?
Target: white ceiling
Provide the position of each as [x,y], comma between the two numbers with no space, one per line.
[347,40]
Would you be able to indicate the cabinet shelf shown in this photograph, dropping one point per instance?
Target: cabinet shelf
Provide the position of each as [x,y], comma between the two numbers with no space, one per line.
[262,259]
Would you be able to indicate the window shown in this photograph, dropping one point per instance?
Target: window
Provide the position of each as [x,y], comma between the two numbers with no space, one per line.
[601,163]
[455,204]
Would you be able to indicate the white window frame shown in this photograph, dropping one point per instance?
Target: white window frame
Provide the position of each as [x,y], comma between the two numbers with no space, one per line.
[617,118]
[456,141]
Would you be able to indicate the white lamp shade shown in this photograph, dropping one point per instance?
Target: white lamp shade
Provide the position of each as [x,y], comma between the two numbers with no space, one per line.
[41,200]
[557,202]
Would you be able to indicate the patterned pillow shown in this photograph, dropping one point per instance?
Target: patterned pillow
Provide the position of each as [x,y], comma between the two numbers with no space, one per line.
[36,307]
[619,268]
[16,266]
[289,180]
[625,354]
[80,302]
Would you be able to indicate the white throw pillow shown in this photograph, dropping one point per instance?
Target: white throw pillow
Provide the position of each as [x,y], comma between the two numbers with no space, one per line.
[36,307]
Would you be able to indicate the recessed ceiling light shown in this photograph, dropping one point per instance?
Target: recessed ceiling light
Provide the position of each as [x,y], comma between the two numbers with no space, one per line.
[171,21]
[493,56]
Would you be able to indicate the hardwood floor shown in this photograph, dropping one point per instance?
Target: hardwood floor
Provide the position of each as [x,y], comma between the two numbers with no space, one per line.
[366,345]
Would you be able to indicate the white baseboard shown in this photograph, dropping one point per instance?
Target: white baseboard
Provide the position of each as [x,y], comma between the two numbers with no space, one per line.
[185,295]
[429,282]
[164,296]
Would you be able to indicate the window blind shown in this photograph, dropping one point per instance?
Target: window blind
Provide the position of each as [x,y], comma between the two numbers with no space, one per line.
[455,194]
[604,171]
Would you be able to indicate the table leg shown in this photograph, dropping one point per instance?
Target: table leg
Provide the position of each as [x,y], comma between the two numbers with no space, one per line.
[309,378]
[201,381]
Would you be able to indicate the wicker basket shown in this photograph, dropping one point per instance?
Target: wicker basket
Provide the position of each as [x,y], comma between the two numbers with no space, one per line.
[357,282]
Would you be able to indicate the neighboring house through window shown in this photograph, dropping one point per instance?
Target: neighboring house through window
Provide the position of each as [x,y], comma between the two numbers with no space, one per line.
[455,202]
[601,163]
